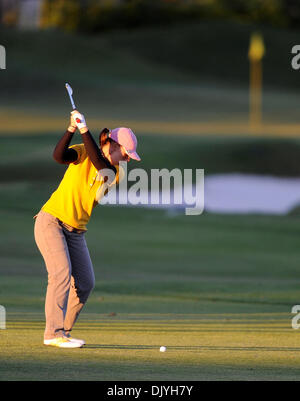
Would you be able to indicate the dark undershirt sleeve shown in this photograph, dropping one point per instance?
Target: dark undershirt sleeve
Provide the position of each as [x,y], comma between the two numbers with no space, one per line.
[61,153]
[97,158]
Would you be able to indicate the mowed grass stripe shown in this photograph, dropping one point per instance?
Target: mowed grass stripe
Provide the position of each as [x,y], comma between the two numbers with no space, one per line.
[19,124]
[208,352]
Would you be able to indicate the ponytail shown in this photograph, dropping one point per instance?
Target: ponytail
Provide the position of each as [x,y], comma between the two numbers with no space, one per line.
[104,137]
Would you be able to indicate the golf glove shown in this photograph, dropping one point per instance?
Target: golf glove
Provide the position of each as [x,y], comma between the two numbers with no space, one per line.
[79,120]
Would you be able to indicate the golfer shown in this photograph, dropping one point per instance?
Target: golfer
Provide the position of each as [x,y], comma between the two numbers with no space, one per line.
[60,225]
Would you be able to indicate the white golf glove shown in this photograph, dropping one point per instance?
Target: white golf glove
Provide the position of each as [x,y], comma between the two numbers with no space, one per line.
[79,121]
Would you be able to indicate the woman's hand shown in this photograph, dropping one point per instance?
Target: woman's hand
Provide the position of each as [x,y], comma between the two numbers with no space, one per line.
[79,120]
[72,127]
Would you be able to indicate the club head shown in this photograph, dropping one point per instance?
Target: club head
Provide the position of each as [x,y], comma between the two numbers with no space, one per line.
[69,89]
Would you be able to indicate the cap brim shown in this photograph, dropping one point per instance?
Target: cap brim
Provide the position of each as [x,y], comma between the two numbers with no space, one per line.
[134,156]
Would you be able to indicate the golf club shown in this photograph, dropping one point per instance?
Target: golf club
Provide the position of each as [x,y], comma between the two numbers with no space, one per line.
[70,92]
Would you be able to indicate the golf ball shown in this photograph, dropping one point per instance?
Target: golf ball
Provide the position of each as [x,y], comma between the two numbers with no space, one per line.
[163,349]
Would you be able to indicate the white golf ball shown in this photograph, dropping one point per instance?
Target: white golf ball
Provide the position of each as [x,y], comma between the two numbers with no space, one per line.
[163,349]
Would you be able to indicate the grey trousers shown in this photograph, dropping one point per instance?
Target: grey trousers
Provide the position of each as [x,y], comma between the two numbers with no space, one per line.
[70,273]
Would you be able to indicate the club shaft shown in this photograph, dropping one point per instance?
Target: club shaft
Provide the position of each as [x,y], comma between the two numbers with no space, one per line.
[72,101]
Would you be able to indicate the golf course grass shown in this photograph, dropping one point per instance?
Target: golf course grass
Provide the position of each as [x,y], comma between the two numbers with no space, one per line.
[216,290]
[126,348]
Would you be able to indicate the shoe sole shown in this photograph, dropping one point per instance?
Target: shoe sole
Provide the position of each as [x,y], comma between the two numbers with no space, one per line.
[75,340]
[82,342]
[69,344]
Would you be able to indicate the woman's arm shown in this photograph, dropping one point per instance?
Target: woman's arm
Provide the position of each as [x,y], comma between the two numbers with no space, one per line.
[97,158]
[61,153]
[95,154]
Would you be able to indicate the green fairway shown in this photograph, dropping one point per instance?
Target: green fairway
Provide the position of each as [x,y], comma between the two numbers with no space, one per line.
[216,290]
[126,347]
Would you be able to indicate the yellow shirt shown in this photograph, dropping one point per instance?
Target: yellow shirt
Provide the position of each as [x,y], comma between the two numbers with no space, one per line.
[75,198]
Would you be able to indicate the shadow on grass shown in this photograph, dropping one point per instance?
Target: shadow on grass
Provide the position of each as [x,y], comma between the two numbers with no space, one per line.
[190,348]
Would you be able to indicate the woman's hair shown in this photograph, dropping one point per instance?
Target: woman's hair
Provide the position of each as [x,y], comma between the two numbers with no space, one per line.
[103,137]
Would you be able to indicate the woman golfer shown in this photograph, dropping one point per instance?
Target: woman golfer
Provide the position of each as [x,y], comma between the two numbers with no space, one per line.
[61,223]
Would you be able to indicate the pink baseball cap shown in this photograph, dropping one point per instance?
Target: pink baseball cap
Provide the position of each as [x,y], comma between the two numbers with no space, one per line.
[125,137]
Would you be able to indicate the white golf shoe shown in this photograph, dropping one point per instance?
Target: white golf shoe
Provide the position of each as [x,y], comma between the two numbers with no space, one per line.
[76,340]
[62,342]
